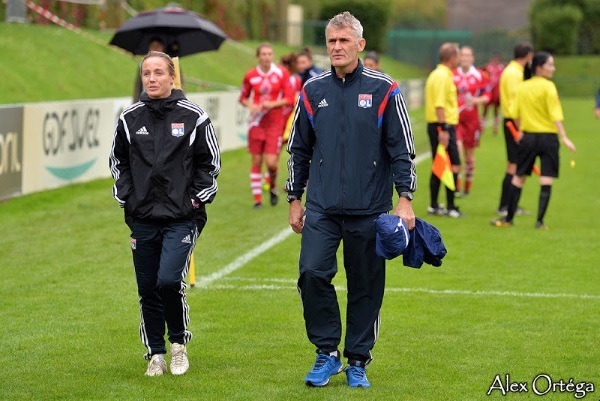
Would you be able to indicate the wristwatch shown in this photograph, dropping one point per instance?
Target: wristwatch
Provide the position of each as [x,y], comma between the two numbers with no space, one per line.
[408,195]
[291,198]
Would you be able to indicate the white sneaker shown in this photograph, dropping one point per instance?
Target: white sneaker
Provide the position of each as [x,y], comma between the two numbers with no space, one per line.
[179,360]
[157,365]
[454,213]
[437,211]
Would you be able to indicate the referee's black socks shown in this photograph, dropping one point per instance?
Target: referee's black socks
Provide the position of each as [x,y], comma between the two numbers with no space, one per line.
[514,195]
[434,190]
[450,193]
[506,184]
[545,192]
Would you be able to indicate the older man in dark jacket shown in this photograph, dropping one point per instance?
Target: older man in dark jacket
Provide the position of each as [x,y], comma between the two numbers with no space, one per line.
[352,139]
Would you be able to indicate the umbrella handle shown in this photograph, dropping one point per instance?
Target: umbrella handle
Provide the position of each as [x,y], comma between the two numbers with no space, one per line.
[177,84]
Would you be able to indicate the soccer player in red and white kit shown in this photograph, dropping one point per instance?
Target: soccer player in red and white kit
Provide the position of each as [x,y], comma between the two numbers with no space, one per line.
[265,90]
[471,88]
[493,70]
[290,62]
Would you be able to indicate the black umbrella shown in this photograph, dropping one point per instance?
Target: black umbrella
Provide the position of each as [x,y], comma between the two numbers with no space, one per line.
[186,30]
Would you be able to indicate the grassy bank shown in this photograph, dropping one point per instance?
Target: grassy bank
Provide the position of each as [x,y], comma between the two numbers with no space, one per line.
[41,63]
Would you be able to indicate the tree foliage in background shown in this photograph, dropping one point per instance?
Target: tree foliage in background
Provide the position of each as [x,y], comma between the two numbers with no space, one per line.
[556,29]
[373,16]
[230,15]
[566,26]
[419,14]
[243,19]
[589,38]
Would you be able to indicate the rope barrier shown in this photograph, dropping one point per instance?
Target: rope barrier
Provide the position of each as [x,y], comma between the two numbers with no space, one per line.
[61,22]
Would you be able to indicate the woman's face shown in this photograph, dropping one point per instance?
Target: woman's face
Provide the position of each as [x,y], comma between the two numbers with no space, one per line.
[547,69]
[265,57]
[156,78]
[466,58]
[370,63]
[303,63]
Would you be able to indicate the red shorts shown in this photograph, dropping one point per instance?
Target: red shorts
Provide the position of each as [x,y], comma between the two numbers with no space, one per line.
[468,131]
[495,99]
[265,140]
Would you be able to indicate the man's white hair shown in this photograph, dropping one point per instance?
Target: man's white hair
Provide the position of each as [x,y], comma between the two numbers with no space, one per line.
[346,20]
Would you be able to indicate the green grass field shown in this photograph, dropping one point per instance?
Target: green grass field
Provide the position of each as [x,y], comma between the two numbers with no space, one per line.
[506,301]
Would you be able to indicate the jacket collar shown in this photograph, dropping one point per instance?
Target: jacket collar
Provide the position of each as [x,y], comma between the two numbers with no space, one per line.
[160,107]
[351,77]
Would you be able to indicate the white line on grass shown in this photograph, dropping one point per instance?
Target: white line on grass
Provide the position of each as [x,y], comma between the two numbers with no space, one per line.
[276,287]
[421,157]
[265,246]
[282,235]
[245,258]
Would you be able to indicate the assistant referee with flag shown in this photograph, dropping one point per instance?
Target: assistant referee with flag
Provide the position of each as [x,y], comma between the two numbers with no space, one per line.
[441,113]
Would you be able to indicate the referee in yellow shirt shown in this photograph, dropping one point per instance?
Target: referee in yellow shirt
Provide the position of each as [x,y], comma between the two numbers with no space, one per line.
[441,113]
[511,77]
[538,110]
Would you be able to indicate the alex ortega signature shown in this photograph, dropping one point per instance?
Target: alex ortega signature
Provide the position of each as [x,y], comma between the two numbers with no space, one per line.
[542,384]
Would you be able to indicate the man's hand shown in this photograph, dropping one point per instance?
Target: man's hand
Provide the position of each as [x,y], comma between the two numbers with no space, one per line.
[520,136]
[405,211]
[296,217]
[444,138]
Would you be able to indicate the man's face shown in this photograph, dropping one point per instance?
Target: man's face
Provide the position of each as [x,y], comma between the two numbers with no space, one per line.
[343,48]
[156,78]
[529,57]
[455,60]
[156,46]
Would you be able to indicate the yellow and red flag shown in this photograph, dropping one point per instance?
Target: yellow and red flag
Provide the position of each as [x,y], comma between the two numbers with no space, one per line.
[441,167]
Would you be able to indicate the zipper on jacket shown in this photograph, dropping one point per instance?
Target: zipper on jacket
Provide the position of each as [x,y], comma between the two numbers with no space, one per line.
[342,147]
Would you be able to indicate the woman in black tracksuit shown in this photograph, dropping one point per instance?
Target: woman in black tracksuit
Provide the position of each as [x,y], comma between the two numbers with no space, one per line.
[165,160]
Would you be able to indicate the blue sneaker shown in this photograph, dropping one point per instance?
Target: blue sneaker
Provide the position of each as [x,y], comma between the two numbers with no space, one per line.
[356,375]
[325,366]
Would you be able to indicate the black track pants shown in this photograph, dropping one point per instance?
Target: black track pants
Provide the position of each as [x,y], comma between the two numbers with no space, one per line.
[365,272]
[161,257]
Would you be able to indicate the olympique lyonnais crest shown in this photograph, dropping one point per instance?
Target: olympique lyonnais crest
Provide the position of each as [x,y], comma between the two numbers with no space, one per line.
[177,129]
[365,101]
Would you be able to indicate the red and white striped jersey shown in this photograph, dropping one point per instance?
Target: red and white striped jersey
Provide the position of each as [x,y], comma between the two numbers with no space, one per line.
[469,84]
[266,87]
[493,72]
[295,87]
